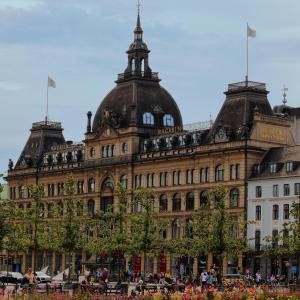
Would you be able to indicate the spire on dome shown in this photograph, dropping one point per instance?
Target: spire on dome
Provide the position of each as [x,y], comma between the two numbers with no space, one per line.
[138,32]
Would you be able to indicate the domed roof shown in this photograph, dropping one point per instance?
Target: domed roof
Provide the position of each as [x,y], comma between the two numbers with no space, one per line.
[138,99]
[127,104]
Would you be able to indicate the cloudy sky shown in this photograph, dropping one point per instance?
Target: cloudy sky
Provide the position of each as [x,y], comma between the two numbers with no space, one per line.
[198,47]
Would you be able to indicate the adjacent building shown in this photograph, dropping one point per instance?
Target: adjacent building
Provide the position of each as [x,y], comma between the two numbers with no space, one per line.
[137,137]
[273,188]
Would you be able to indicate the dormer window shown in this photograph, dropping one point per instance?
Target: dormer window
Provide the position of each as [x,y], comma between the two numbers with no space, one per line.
[168,121]
[289,166]
[148,119]
[273,168]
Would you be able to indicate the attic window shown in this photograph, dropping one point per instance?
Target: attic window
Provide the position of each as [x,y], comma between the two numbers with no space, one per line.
[289,166]
[256,169]
[168,121]
[148,119]
[273,168]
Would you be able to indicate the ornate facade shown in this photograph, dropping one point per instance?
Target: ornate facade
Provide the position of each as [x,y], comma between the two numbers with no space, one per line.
[137,138]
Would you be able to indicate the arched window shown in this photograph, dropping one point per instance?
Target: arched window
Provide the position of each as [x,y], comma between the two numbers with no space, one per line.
[168,121]
[234,198]
[175,229]
[142,66]
[42,210]
[22,192]
[91,207]
[79,209]
[108,184]
[132,65]
[190,203]
[163,203]
[203,199]
[176,202]
[60,207]
[219,173]
[148,119]
[112,150]
[91,185]
[137,206]
[92,152]
[124,181]
[50,210]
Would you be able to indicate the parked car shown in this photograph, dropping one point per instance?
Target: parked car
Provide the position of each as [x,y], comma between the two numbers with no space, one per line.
[11,277]
[42,277]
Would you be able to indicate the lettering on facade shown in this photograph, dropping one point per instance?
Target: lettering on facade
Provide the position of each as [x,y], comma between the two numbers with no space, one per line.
[170,130]
[273,134]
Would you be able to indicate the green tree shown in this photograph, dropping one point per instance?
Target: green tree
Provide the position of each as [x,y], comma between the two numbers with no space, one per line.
[71,229]
[146,227]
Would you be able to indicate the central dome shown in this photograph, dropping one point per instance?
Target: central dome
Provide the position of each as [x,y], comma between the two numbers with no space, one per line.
[138,99]
[139,103]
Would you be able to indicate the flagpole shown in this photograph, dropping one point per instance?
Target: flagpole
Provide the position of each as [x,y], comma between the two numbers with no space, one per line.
[47,101]
[247,56]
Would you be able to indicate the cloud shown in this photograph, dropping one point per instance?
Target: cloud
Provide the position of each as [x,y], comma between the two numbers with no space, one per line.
[19,4]
[10,86]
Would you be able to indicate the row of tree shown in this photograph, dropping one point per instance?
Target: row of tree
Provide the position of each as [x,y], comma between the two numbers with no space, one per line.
[70,228]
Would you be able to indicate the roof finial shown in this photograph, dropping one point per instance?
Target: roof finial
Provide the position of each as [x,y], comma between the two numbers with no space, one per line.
[285,89]
[138,6]
[138,23]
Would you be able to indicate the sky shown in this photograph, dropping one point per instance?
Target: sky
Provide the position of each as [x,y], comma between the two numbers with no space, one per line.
[197,46]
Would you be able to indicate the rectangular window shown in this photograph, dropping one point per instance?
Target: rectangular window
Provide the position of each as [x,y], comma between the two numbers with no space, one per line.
[286,211]
[257,240]
[232,172]
[275,190]
[273,168]
[258,191]
[13,193]
[237,171]
[50,190]
[286,189]
[297,188]
[163,178]
[289,166]
[275,212]
[80,187]
[275,238]
[60,189]
[176,177]
[204,175]
[258,213]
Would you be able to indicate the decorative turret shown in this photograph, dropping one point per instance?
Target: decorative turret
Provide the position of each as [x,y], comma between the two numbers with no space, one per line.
[138,57]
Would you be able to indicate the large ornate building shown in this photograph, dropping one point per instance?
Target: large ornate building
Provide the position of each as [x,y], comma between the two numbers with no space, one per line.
[137,137]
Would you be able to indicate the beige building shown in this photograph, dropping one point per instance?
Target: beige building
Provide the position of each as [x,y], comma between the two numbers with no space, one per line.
[137,137]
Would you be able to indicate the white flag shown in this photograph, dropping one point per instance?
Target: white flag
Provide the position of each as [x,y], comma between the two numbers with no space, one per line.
[251,32]
[51,82]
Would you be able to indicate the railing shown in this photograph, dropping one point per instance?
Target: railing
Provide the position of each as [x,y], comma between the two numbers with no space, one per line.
[245,84]
[152,75]
[46,123]
[198,125]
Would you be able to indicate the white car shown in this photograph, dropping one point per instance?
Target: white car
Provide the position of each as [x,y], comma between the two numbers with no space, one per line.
[42,277]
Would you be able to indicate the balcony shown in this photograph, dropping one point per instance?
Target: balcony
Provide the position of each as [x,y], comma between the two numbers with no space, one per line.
[51,124]
[247,84]
[146,75]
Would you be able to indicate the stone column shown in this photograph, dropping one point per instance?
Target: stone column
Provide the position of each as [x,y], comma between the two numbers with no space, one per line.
[32,260]
[170,202]
[224,264]
[23,266]
[63,262]
[183,206]
[240,262]
[196,200]
[209,261]
[168,258]
[155,260]
[53,258]
[195,266]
